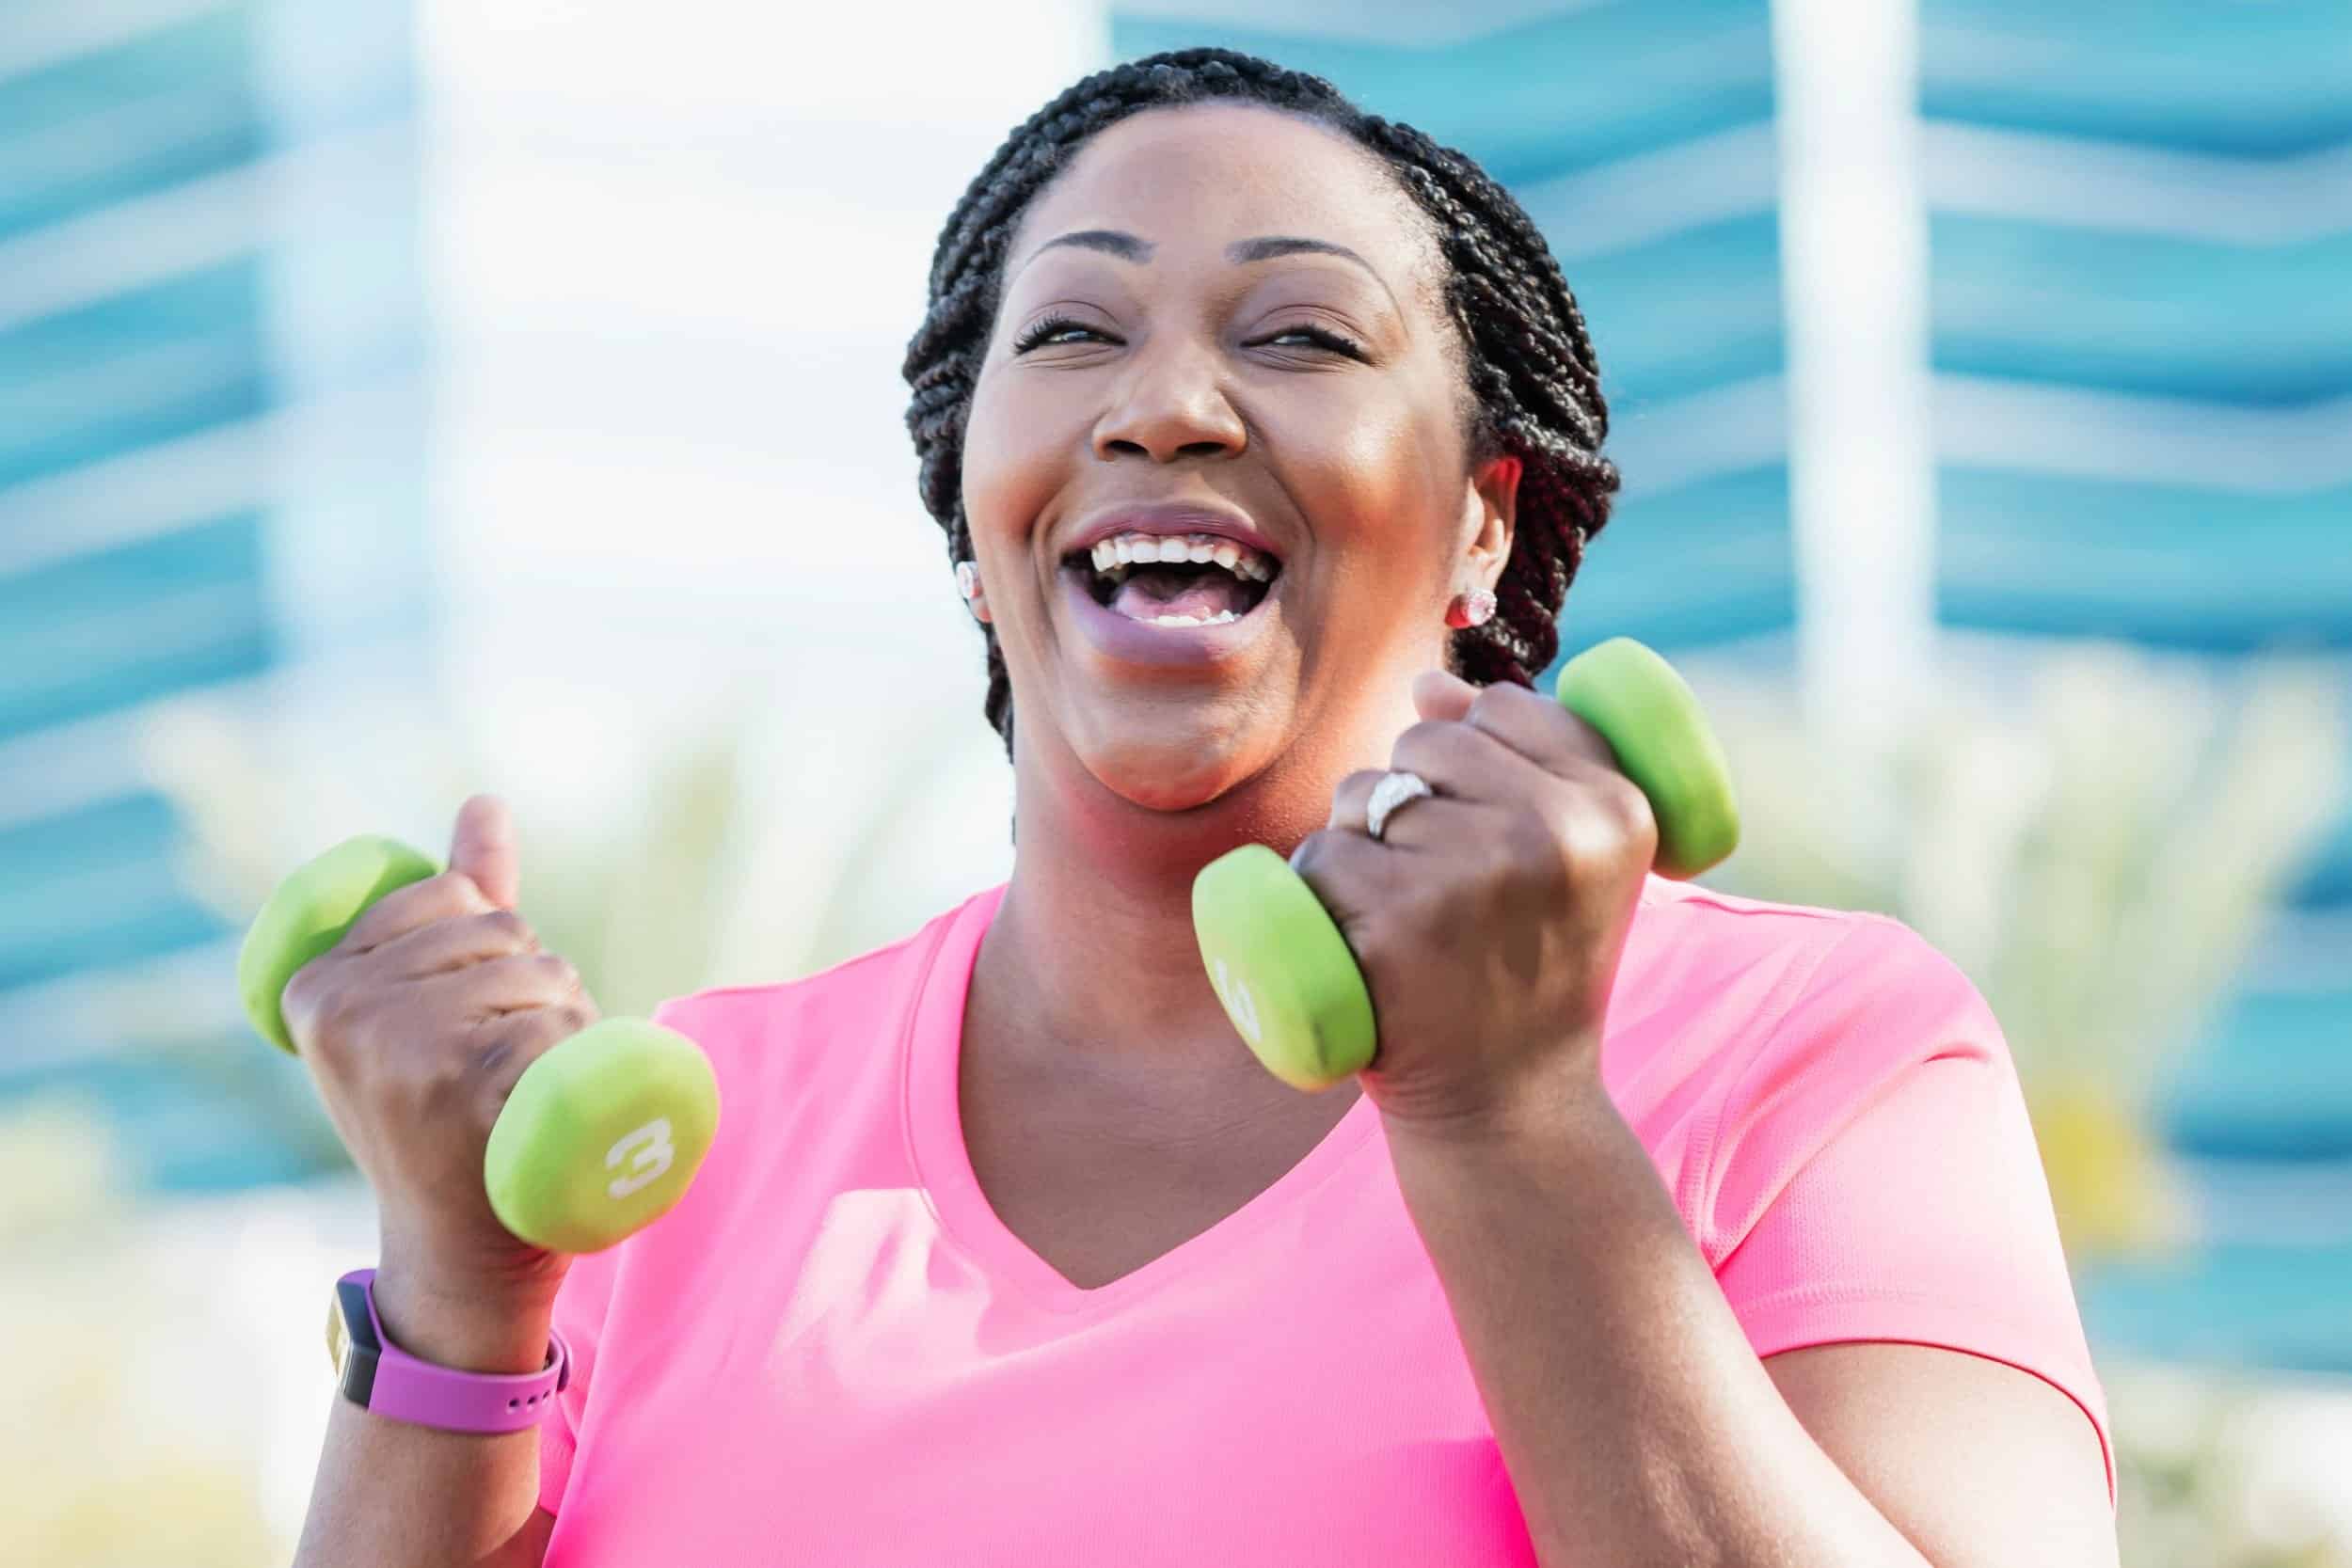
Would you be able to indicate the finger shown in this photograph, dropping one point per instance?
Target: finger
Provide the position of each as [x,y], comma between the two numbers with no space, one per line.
[1441,694]
[1540,729]
[1352,798]
[482,847]
[503,985]
[1417,824]
[517,1040]
[404,910]
[1349,874]
[456,942]
[1461,761]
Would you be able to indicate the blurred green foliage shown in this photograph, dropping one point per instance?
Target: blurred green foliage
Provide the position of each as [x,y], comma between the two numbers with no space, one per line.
[2097,851]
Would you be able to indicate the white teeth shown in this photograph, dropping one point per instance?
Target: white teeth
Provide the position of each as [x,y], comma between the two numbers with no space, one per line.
[1126,549]
[1221,618]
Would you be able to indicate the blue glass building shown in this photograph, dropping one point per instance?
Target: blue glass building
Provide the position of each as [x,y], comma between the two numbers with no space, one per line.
[210,448]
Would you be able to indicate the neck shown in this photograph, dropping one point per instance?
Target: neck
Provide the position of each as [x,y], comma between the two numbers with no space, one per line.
[1090,971]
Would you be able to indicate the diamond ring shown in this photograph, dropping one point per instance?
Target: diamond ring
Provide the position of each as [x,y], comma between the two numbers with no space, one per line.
[1394,789]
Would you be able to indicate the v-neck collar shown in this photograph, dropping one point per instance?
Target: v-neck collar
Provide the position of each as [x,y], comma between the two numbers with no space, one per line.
[930,1053]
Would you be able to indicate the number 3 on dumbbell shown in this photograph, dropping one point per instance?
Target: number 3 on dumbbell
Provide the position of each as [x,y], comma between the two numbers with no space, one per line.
[654,1154]
[1239,1004]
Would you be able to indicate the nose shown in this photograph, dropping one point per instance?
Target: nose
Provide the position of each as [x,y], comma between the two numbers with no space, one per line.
[1170,405]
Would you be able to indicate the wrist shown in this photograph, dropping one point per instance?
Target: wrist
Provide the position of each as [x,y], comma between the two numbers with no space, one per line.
[465,1329]
[1569,1102]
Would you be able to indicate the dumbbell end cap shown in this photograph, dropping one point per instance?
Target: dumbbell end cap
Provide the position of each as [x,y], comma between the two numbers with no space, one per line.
[309,913]
[1282,970]
[601,1135]
[1658,729]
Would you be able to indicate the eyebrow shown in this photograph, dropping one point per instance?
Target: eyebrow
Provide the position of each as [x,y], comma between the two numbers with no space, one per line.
[1129,247]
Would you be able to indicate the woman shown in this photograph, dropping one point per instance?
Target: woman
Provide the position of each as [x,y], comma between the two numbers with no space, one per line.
[1667,1227]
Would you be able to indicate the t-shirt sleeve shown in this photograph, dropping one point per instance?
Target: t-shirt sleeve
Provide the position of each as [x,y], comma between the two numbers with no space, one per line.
[581,1305]
[1874,1176]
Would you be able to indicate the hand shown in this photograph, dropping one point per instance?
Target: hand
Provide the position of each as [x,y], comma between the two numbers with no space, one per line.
[1487,920]
[416,1027]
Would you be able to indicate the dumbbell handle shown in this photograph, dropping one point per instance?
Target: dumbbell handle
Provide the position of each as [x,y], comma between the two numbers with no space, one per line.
[600,1135]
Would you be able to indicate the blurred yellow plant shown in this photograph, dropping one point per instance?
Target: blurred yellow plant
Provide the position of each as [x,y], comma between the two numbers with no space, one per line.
[104,1460]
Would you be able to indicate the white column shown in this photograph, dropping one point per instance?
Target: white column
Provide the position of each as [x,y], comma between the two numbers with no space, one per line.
[1854,283]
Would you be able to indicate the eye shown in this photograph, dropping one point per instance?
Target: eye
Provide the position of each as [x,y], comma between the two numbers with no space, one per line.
[1052,328]
[1321,337]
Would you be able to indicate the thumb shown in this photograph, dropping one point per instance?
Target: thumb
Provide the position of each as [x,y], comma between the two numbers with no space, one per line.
[1443,694]
[482,848]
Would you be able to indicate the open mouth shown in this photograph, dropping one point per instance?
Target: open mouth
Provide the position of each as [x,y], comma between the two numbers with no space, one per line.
[1175,580]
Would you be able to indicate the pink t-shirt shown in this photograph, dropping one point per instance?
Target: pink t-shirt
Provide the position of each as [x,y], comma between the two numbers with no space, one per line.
[832,1352]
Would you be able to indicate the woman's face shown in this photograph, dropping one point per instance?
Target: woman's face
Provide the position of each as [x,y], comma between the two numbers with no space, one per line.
[1252,329]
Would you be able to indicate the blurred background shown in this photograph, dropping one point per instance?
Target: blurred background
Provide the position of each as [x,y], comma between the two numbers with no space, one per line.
[403,398]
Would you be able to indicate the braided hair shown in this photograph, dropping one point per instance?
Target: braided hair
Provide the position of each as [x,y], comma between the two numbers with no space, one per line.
[1532,388]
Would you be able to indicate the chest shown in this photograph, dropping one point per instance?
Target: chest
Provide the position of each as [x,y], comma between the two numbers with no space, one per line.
[884,1386]
[1094,1195]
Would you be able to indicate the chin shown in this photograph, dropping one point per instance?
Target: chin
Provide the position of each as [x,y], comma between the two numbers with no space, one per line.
[1172,765]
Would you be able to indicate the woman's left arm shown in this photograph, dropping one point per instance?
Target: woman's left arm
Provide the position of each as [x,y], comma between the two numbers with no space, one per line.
[1639,1427]
[1637,1423]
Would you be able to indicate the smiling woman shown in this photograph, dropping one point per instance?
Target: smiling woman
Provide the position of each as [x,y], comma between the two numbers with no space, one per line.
[1664,1227]
[1410,362]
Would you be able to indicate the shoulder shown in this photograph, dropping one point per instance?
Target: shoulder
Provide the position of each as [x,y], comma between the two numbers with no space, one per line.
[1781,975]
[1750,1033]
[757,1028]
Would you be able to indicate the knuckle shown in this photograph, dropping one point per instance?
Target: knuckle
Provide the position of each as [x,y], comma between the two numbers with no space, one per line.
[1629,809]
[305,990]
[1424,737]
[510,928]
[550,1022]
[1312,852]
[1497,697]
[337,1016]
[459,888]
[556,970]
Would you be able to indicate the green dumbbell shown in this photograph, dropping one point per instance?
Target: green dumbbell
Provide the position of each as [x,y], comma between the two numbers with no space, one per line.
[599,1136]
[1285,974]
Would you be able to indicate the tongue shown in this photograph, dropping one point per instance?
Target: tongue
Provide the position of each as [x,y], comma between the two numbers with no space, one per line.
[1148,594]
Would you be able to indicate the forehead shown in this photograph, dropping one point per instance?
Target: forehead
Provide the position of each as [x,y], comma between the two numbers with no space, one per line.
[1204,174]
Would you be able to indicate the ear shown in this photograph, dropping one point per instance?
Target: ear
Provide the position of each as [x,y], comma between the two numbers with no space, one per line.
[1490,518]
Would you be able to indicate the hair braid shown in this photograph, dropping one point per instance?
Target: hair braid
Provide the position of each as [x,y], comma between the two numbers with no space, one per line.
[1530,383]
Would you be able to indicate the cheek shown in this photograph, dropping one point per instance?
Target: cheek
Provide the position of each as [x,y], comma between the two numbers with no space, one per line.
[1377,474]
[1012,459]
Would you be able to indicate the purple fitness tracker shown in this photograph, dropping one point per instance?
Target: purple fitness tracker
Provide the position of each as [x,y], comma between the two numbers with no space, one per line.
[379,1376]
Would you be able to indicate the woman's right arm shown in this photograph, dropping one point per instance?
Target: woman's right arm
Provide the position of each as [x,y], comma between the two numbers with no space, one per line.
[416,1027]
[390,1494]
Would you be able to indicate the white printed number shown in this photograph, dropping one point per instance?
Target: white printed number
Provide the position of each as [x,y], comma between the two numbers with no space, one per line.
[654,1152]
[1238,1002]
